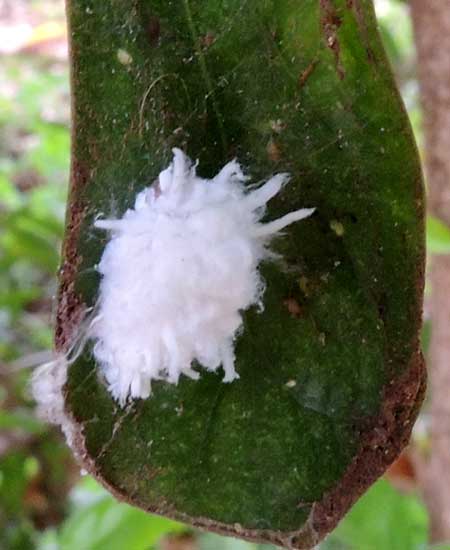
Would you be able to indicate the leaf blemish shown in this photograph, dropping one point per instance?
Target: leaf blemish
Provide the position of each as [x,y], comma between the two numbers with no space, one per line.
[153,30]
[331,22]
[293,307]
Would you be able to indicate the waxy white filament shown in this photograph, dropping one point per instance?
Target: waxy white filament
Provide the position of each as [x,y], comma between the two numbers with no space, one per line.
[177,273]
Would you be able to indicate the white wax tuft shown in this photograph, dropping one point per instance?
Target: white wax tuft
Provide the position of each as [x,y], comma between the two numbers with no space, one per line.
[177,273]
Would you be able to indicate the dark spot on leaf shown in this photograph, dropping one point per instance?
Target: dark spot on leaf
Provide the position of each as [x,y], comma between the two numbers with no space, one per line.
[207,40]
[153,30]
[331,22]
[293,307]
[382,306]
[273,151]
[307,73]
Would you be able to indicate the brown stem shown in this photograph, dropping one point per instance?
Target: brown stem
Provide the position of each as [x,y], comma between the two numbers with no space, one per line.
[432,29]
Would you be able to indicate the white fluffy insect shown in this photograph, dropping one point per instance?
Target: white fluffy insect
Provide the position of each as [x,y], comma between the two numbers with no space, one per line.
[177,273]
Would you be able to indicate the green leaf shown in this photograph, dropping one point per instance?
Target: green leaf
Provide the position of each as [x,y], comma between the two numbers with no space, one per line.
[104,523]
[9,196]
[385,518]
[325,401]
[20,419]
[211,541]
[438,236]
[13,483]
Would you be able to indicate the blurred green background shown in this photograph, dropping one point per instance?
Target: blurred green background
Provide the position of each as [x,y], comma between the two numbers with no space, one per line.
[45,502]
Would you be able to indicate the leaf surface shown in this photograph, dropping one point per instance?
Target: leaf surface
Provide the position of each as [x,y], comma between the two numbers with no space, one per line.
[326,398]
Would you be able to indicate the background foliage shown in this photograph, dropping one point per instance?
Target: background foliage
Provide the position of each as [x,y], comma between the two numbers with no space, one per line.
[44,502]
